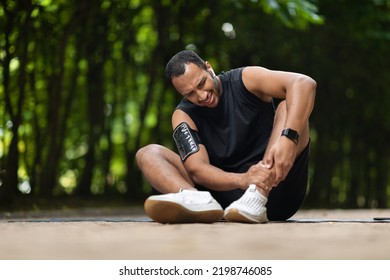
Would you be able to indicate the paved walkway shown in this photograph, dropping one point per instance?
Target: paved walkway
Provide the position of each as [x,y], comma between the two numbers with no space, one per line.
[128,234]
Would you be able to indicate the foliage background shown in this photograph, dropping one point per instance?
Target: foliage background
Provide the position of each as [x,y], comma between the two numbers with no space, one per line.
[82,88]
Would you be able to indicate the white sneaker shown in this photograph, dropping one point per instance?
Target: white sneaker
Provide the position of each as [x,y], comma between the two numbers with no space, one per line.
[186,206]
[250,208]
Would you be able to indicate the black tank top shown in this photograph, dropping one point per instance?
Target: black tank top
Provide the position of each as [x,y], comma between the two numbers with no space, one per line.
[236,132]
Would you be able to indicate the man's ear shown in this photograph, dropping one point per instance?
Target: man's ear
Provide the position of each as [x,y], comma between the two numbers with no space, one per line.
[209,68]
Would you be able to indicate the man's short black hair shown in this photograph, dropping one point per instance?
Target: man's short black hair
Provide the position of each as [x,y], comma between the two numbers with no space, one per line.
[176,65]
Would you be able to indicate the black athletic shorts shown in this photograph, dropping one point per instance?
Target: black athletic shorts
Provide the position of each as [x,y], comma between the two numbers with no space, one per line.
[285,199]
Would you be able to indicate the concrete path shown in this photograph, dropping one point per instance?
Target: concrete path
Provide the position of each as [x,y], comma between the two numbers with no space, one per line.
[115,234]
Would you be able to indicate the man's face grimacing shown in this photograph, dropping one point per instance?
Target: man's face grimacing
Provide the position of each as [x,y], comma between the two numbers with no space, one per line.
[199,86]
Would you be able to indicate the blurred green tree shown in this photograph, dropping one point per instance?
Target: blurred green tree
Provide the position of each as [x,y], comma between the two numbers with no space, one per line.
[82,88]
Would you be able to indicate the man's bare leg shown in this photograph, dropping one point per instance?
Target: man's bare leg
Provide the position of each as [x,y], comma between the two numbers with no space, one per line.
[163,169]
[166,173]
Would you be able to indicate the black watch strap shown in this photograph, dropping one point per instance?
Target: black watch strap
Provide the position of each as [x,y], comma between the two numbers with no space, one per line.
[291,134]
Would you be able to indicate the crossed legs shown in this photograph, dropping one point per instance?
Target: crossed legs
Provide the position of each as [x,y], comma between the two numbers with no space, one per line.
[165,171]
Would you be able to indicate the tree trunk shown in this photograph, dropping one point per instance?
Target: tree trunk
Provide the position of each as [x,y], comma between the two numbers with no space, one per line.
[11,180]
[97,26]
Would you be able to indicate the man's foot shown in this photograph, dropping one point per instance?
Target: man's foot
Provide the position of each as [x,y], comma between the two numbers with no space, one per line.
[186,206]
[250,208]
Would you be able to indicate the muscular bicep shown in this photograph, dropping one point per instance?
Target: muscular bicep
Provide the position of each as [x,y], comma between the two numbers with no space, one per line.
[267,84]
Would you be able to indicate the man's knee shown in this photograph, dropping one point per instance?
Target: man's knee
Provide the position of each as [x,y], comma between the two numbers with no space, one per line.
[147,153]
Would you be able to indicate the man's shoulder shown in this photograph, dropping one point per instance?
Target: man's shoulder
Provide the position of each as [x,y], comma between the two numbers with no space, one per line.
[234,74]
[187,107]
[185,104]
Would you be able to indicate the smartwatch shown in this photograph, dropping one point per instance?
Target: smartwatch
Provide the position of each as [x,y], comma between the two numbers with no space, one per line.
[291,134]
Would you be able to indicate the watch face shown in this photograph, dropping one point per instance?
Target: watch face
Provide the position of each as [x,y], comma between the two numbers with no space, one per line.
[291,134]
